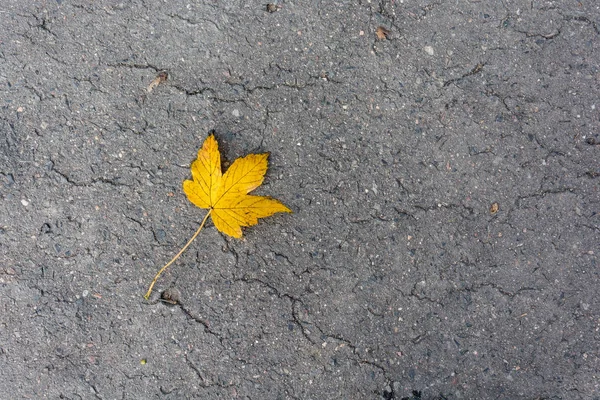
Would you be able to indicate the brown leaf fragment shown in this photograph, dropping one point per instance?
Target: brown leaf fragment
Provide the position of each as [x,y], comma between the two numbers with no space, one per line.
[272,7]
[382,33]
[494,208]
[477,68]
[160,77]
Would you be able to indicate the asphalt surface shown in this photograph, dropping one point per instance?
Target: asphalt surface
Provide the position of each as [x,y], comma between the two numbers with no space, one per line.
[444,180]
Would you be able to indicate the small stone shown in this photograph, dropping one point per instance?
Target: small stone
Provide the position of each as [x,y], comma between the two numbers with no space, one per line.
[160,235]
[428,50]
[236,113]
[24,202]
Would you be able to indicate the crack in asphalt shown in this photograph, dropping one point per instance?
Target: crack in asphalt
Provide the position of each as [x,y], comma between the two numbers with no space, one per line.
[476,69]
[202,322]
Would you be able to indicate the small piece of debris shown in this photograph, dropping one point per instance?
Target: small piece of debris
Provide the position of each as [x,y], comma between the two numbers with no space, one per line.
[428,50]
[382,33]
[494,208]
[160,77]
[171,296]
[272,7]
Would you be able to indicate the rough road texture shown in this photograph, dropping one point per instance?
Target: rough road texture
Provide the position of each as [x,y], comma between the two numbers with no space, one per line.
[393,279]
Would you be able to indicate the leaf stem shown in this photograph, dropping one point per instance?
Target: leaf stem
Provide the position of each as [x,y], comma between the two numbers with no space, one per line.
[149,292]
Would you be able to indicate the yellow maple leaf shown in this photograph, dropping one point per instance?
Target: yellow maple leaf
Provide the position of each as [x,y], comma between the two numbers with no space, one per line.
[226,195]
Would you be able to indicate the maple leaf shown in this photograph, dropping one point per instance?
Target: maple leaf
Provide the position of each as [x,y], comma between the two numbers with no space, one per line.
[226,195]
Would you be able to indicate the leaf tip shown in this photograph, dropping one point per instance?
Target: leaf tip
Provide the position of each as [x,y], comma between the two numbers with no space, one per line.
[210,144]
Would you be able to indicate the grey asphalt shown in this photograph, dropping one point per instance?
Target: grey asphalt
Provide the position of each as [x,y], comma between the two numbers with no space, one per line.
[444,180]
